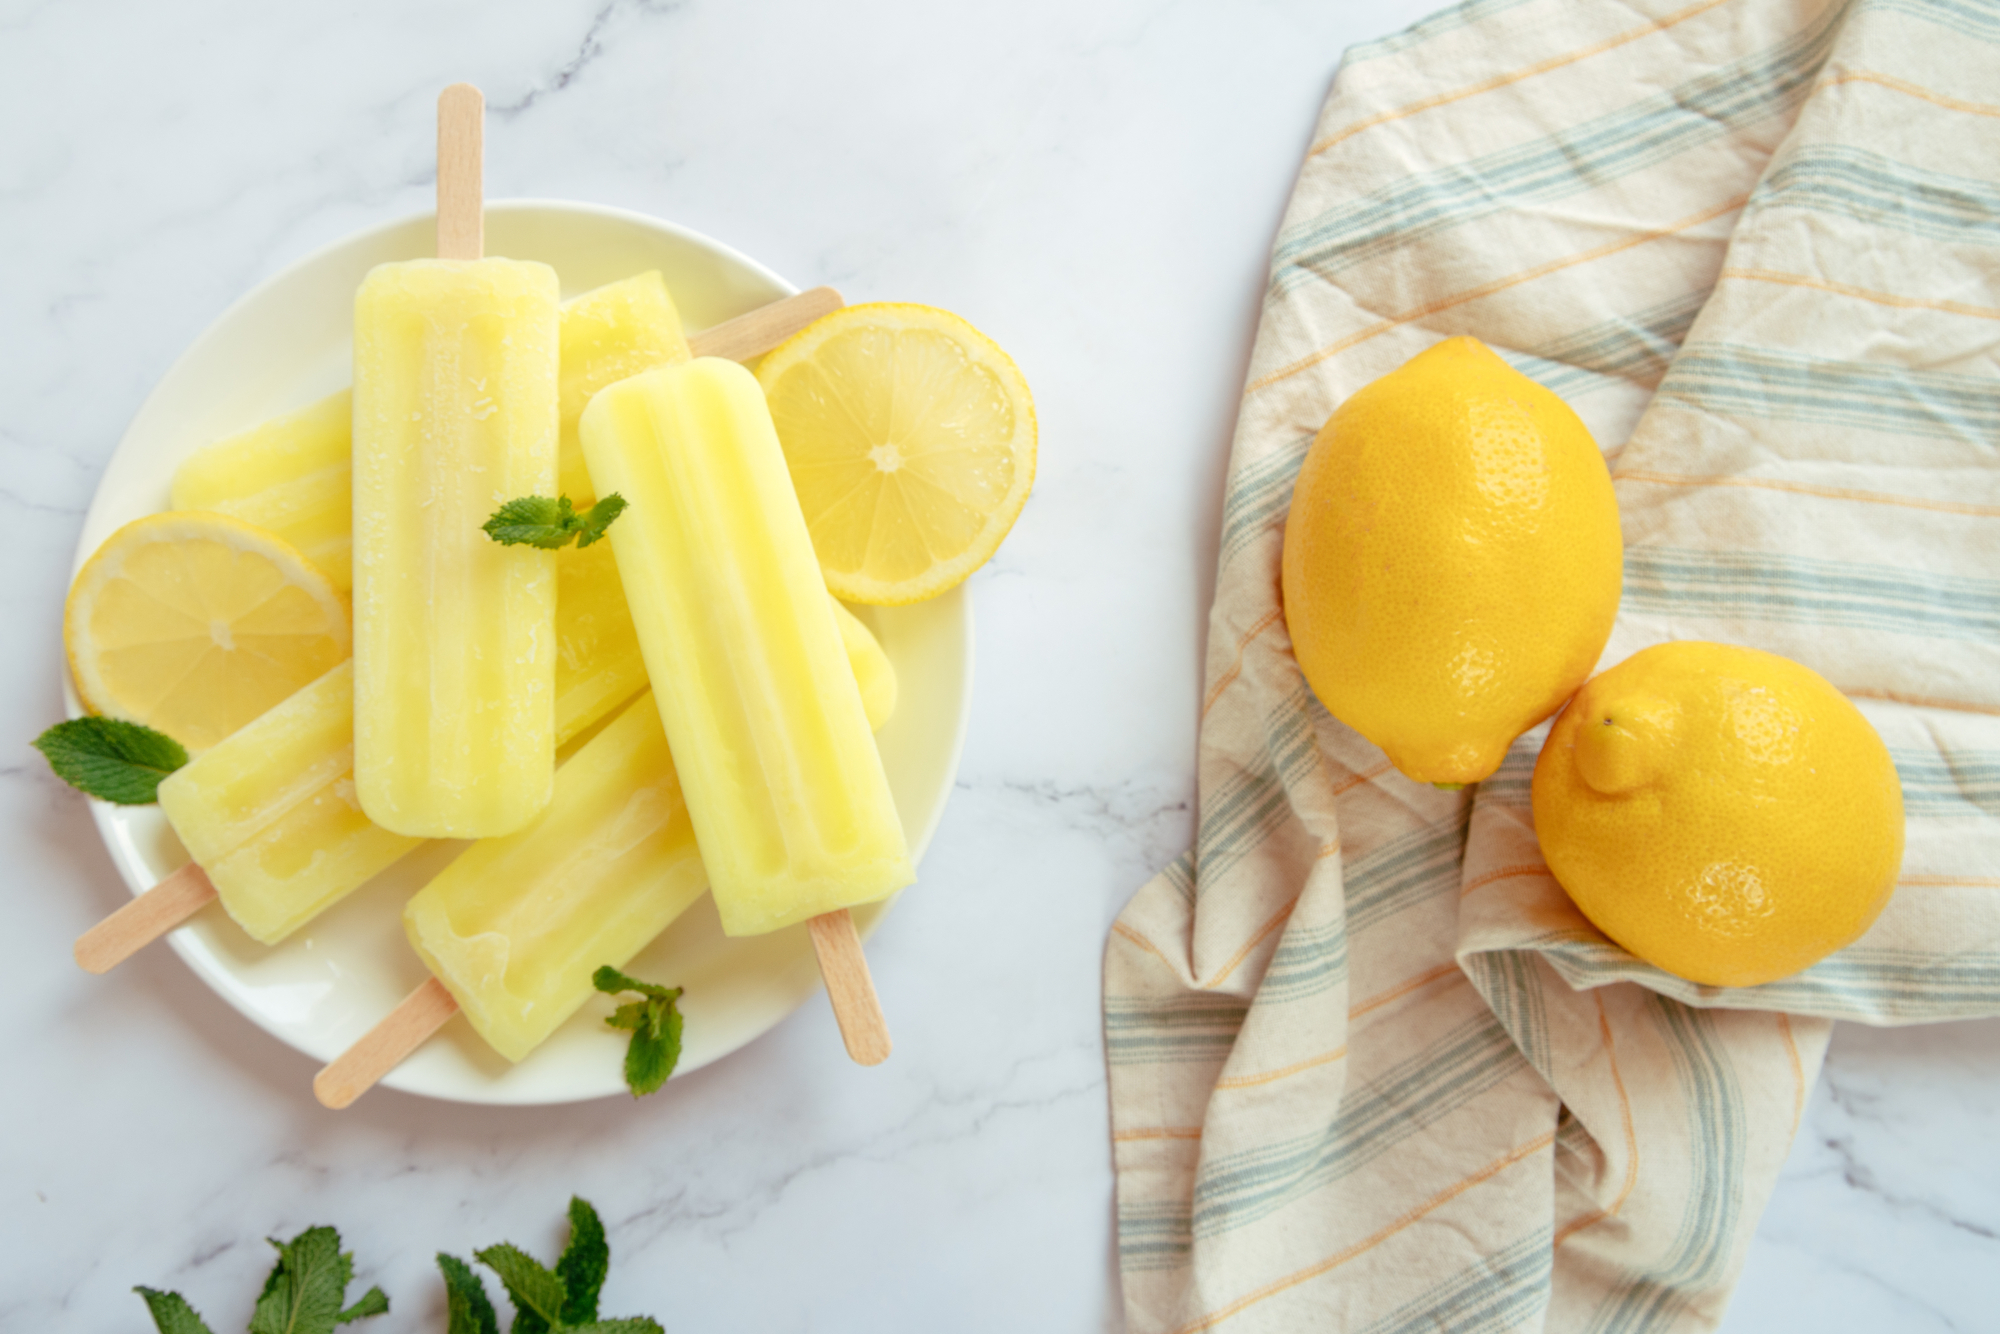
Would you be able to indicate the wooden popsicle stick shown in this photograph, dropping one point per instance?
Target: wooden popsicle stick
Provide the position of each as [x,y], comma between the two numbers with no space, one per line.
[144,920]
[461,212]
[755,333]
[461,234]
[850,987]
[385,1046]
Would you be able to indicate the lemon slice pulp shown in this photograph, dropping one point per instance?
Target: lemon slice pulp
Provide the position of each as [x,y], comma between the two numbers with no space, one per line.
[195,623]
[910,437]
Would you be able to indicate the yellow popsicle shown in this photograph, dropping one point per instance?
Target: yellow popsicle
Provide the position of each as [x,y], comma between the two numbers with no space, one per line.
[270,813]
[455,412]
[516,926]
[872,670]
[598,666]
[292,474]
[609,333]
[781,775]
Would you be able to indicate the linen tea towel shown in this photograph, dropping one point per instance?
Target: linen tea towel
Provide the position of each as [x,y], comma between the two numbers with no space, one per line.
[1369,1069]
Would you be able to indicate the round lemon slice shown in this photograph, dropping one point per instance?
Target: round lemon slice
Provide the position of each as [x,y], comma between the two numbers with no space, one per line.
[911,441]
[195,623]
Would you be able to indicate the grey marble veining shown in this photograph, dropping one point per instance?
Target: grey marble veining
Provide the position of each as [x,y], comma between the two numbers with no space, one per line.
[1096,187]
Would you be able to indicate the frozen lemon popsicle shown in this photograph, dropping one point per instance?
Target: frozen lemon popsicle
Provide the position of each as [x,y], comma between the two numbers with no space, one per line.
[270,812]
[455,412]
[782,778]
[610,333]
[515,927]
[291,475]
[872,669]
[598,666]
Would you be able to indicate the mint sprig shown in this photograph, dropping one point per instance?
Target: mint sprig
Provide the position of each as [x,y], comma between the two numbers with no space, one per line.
[542,521]
[467,1309]
[306,1289]
[655,1023]
[111,759]
[305,1293]
[585,1262]
[558,1301]
[171,1313]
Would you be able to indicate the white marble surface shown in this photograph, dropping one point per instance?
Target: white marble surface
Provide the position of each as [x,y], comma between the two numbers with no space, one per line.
[1096,186]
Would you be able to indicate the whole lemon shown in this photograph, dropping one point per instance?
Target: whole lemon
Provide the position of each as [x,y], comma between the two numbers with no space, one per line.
[1452,561]
[1723,813]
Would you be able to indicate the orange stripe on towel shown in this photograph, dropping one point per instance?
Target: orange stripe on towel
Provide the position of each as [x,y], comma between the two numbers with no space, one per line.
[1504,873]
[1807,489]
[1277,920]
[1402,989]
[1863,293]
[1502,81]
[1923,701]
[1338,1258]
[1222,682]
[1912,90]
[1119,928]
[1272,1076]
[1158,1132]
[1488,289]
[1631,1133]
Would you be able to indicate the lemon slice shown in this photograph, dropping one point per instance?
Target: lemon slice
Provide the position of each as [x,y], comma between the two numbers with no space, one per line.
[195,623]
[911,441]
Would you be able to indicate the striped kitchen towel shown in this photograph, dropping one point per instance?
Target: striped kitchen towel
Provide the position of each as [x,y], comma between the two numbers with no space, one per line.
[1369,1068]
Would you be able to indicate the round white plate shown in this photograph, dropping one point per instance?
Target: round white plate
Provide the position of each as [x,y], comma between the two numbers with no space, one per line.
[288,343]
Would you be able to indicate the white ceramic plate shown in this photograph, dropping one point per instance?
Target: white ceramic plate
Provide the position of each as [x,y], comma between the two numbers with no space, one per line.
[288,343]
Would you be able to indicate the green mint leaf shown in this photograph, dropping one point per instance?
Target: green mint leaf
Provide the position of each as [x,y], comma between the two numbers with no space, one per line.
[610,981]
[597,519]
[469,1310]
[373,1302]
[628,1325]
[635,1015]
[537,1294]
[655,1048]
[303,1295]
[655,1024]
[171,1313]
[537,521]
[585,1262]
[110,759]
[540,521]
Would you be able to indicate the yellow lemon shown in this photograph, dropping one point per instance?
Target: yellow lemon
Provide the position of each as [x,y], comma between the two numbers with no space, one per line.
[1452,561]
[196,623]
[1723,813]
[911,441]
